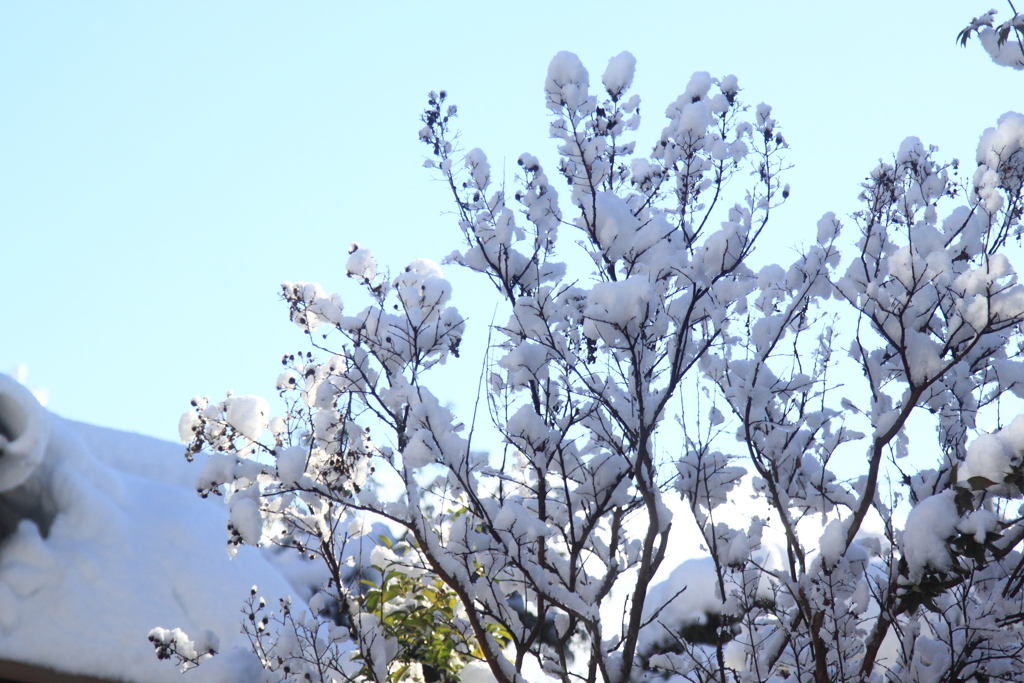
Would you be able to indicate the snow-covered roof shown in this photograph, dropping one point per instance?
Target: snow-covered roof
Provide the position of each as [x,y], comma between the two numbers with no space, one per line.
[15,672]
[102,538]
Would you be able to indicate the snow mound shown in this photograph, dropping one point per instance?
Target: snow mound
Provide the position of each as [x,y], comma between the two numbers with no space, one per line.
[992,457]
[102,538]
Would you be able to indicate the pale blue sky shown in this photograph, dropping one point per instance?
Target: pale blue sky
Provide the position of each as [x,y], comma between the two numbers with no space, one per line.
[164,166]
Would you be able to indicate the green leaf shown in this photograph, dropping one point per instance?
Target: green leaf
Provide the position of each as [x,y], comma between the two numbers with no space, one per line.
[978,483]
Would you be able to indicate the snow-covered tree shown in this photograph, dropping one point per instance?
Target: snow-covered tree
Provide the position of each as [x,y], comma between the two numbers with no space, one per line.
[816,427]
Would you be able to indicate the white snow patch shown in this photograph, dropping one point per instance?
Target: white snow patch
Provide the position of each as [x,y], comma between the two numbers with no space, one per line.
[994,456]
[361,263]
[291,465]
[477,672]
[567,82]
[249,415]
[619,74]
[698,583]
[929,526]
[833,542]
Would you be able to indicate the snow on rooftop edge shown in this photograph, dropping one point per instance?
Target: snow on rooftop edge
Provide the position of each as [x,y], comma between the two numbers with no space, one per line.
[102,538]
